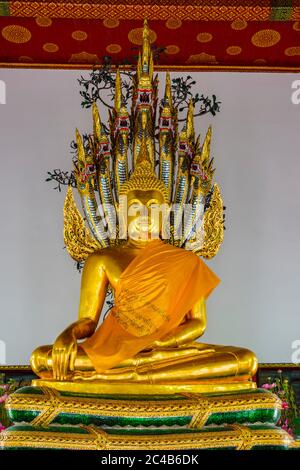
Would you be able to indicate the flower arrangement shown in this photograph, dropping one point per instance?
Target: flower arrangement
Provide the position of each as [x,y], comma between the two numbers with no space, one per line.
[290,411]
[6,388]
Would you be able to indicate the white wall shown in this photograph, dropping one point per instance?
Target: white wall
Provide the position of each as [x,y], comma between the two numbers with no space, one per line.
[256,145]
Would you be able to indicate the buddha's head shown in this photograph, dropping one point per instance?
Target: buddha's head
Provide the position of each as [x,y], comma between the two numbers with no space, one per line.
[144,214]
[146,203]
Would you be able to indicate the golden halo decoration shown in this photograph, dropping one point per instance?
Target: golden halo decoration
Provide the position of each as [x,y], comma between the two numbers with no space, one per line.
[136,36]
[172,49]
[50,47]
[296,26]
[234,50]
[25,58]
[79,35]
[266,38]
[292,51]
[259,61]
[238,25]
[173,23]
[84,58]
[17,34]
[204,37]
[113,48]
[43,21]
[111,23]
[202,58]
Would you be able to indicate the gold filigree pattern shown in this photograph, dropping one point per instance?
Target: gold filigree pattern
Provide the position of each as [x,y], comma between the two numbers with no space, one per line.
[25,58]
[172,49]
[77,238]
[260,61]
[173,23]
[213,226]
[204,37]
[234,50]
[136,36]
[43,21]
[113,48]
[292,51]
[17,34]
[202,58]
[238,25]
[111,23]
[266,38]
[84,58]
[296,26]
[79,35]
[50,47]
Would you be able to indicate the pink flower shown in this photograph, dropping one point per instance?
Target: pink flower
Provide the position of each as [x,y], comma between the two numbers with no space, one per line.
[3,398]
[285,405]
[2,427]
[266,386]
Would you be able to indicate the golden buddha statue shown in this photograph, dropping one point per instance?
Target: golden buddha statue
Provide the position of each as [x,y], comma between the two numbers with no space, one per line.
[160,284]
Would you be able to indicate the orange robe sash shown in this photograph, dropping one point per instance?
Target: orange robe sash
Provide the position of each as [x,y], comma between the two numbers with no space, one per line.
[154,293]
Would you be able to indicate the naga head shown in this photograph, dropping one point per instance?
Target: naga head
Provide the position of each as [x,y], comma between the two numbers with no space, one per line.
[84,168]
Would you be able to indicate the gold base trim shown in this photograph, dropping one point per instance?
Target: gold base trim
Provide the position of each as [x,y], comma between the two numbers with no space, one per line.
[238,437]
[111,388]
[199,407]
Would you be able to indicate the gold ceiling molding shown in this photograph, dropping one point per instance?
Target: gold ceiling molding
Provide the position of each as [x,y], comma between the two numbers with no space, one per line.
[158,10]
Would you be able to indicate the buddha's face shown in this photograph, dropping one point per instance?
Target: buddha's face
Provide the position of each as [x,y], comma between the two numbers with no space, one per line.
[144,214]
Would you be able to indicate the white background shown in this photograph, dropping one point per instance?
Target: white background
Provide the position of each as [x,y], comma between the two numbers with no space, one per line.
[256,145]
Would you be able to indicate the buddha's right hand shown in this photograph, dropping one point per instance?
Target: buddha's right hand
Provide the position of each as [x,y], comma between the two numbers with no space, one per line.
[64,354]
